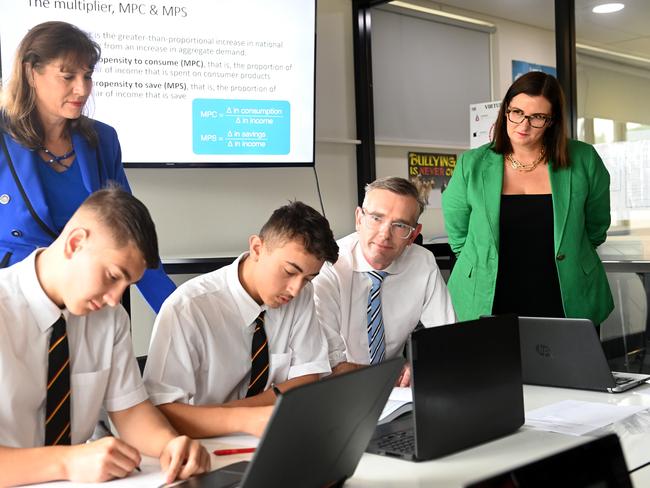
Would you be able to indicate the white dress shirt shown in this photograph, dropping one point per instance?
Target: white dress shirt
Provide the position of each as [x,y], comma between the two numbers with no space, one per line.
[103,370]
[200,351]
[413,291]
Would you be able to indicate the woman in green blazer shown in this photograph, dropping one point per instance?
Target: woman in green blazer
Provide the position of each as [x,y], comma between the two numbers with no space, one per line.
[525,213]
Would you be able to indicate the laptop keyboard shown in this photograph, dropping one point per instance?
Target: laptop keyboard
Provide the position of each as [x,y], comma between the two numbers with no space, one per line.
[401,442]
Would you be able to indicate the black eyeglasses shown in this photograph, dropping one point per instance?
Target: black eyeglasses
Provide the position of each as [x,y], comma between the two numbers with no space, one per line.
[537,121]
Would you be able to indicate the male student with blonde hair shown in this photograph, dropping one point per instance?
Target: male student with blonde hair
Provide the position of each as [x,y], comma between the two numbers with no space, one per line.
[66,352]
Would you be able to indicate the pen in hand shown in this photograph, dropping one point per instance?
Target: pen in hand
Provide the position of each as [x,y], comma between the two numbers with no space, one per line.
[109,433]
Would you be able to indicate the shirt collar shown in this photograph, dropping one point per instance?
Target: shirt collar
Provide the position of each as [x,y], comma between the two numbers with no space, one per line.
[248,308]
[44,310]
[360,265]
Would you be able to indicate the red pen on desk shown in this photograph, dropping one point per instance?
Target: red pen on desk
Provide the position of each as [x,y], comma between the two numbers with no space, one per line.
[227,452]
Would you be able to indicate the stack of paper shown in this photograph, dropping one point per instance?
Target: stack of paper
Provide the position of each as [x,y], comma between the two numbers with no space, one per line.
[399,402]
[578,418]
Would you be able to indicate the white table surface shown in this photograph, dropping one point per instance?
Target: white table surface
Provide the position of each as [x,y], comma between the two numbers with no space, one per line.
[458,469]
[523,446]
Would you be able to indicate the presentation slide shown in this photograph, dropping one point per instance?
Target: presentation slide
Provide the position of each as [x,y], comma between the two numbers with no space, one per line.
[193,82]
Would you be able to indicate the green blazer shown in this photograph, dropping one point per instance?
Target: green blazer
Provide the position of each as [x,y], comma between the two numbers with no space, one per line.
[471,207]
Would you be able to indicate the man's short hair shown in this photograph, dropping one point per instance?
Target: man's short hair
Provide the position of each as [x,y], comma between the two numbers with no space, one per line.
[400,186]
[127,219]
[298,221]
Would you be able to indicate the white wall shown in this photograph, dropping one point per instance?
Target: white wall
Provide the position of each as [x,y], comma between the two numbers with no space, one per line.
[210,212]
[597,79]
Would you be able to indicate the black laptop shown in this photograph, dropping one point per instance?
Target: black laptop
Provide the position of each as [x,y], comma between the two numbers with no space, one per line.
[567,353]
[316,435]
[467,389]
[596,464]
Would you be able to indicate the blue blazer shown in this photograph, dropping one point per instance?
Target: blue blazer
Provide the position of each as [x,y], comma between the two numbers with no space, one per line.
[25,221]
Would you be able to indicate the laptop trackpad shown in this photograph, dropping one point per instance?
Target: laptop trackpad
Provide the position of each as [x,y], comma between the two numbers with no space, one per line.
[227,477]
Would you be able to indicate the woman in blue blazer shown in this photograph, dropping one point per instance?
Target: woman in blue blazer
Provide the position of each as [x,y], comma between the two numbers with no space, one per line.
[51,156]
[525,213]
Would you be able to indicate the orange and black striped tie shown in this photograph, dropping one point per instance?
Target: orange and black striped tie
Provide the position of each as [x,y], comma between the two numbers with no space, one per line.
[57,408]
[259,358]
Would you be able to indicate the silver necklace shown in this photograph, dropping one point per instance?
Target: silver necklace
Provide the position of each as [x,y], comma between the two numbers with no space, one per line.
[54,159]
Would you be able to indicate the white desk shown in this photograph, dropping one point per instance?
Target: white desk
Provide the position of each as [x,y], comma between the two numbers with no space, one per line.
[487,459]
[493,457]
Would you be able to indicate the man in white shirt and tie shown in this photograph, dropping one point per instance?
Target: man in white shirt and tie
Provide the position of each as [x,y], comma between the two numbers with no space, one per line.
[370,300]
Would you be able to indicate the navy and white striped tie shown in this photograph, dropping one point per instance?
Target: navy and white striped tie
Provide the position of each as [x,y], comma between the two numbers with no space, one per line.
[376,337]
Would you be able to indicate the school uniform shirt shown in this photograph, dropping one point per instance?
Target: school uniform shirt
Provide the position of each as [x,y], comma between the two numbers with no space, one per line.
[413,291]
[103,369]
[200,350]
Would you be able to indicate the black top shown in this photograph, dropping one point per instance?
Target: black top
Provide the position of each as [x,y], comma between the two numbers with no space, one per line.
[527,282]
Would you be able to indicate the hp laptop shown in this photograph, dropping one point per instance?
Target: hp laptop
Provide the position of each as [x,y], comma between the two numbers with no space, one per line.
[597,464]
[567,353]
[467,389]
[316,435]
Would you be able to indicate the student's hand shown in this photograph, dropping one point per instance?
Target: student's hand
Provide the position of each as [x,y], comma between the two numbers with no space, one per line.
[255,419]
[101,460]
[404,379]
[183,457]
[345,367]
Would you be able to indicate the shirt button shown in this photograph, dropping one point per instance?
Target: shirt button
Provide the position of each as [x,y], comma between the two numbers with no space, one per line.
[560,257]
[4,199]
[16,233]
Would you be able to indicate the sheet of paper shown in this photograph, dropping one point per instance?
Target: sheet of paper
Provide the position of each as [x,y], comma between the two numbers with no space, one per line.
[398,397]
[401,394]
[578,418]
[151,476]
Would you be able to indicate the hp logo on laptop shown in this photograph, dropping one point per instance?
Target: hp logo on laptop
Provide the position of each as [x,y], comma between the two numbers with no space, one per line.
[543,350]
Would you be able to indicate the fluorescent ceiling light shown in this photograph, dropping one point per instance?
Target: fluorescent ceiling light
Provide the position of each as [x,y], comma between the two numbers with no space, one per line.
[607,8]
[441,13]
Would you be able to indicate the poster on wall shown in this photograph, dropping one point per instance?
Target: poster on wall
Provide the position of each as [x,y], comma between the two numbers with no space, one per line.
[430,173]
[522,67]
[481,122]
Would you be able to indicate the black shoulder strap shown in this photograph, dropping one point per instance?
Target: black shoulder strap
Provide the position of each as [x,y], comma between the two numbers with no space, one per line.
[32,212]
[100,167]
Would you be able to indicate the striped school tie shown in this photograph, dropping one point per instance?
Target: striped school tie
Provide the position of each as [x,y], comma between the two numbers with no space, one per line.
[57,407]
[376,337]
[259,358]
